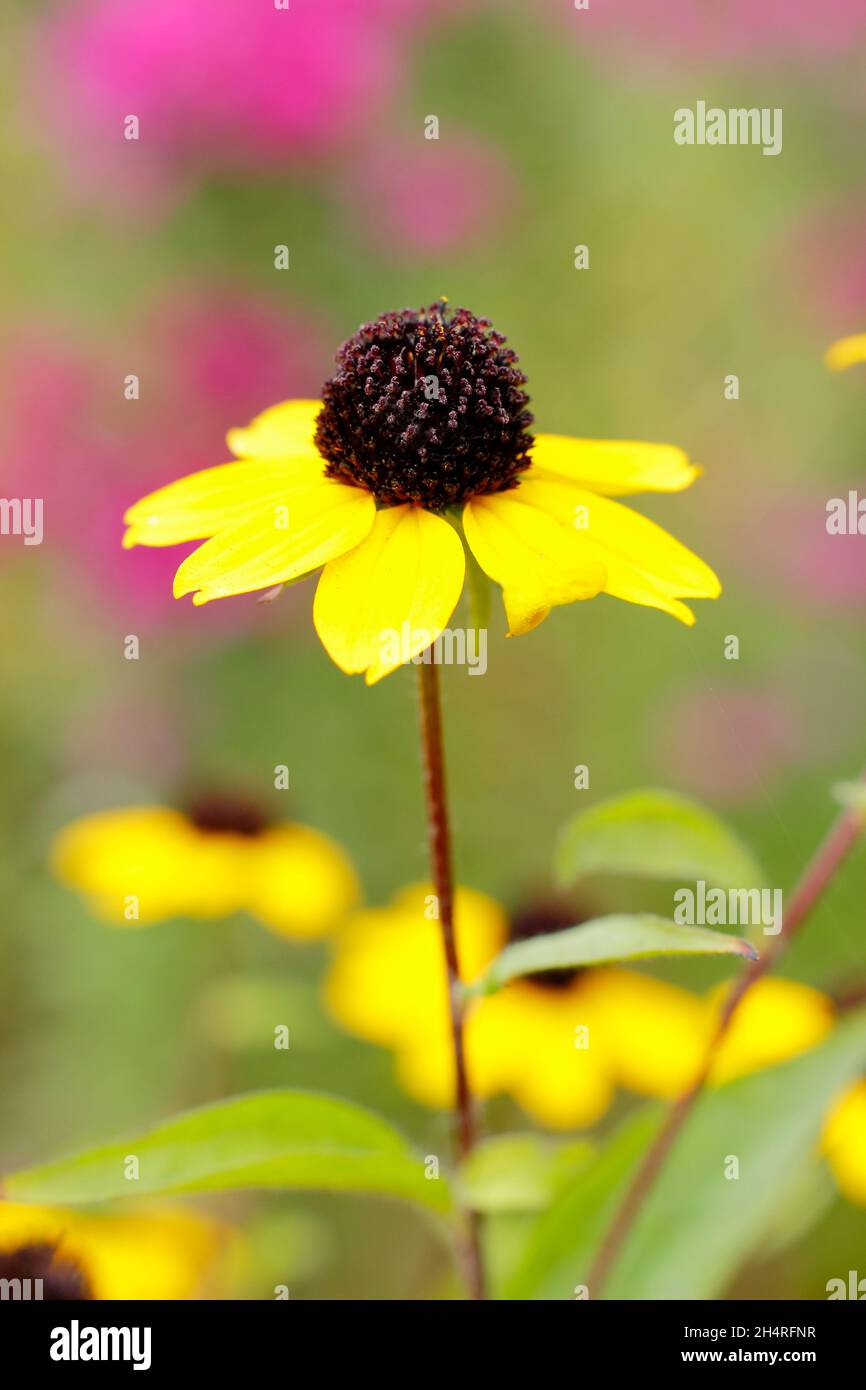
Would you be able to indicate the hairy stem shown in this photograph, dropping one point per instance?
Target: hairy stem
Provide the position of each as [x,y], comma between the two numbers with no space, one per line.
[439,839]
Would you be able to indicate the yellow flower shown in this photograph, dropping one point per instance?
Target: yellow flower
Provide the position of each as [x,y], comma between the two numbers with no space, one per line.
[420,444]
[147,863]
[561,1043]
[846,352]
[159,1252]
[776,1020]
[844,1143]
[543,1040]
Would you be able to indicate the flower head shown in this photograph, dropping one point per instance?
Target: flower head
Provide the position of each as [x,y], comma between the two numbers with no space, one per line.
[544,1040]
[422,443]
[561,1043]
[220,855]
[463,433]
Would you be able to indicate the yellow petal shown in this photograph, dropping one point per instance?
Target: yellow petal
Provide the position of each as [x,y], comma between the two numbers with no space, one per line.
[204,503]
[776,1020]
[644,564]
[300,882]
[141,852]
[524,1040]
[388,600]
[283,431]
[844,1143]
[654,1034]
[387,982]
[312,521]
[157,1253]
[845,352]
[614,467]
[539,560]
[424,1066]
[568,1092]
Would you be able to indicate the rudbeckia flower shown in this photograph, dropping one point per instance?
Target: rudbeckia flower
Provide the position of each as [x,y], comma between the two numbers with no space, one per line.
[147,863]
[419,447]
[157,1253]
[846,352]
[544,1040]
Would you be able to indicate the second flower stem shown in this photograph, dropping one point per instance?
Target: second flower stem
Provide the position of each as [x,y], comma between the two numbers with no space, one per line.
[439,837]
[819,874]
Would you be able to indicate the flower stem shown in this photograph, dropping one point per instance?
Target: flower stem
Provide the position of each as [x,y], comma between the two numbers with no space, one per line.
[832,852]
[439,839]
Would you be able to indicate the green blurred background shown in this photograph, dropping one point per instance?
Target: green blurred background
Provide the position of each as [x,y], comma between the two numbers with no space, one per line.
[703,262]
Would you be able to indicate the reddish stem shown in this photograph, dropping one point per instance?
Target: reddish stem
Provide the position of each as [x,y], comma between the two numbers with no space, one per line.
[439,839]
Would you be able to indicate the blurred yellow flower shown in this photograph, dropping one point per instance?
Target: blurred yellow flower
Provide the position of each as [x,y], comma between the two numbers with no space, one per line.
[157,1253]
[776,1020]
[146,863]
[846,352]
[421,442]
[844,1143]
[561,1043]
[543,1040]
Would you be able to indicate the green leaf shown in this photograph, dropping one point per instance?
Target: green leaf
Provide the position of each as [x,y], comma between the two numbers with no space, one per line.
[518,1172]
[601,941]
[802,1204]
[654,834]
[697,1226]
[561,1242]
[269,1139]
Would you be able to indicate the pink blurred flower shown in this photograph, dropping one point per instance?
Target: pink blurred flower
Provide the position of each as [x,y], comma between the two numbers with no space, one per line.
[734,31]
[430,196]
[822,265]
[786,541]
[205,363]
[425,10]
[225,85]
[726,744]
[220,355]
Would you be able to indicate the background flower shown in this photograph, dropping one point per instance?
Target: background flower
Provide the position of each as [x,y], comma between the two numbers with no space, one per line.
[252,88]
[423,198]
[151,1252]
[751,31]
